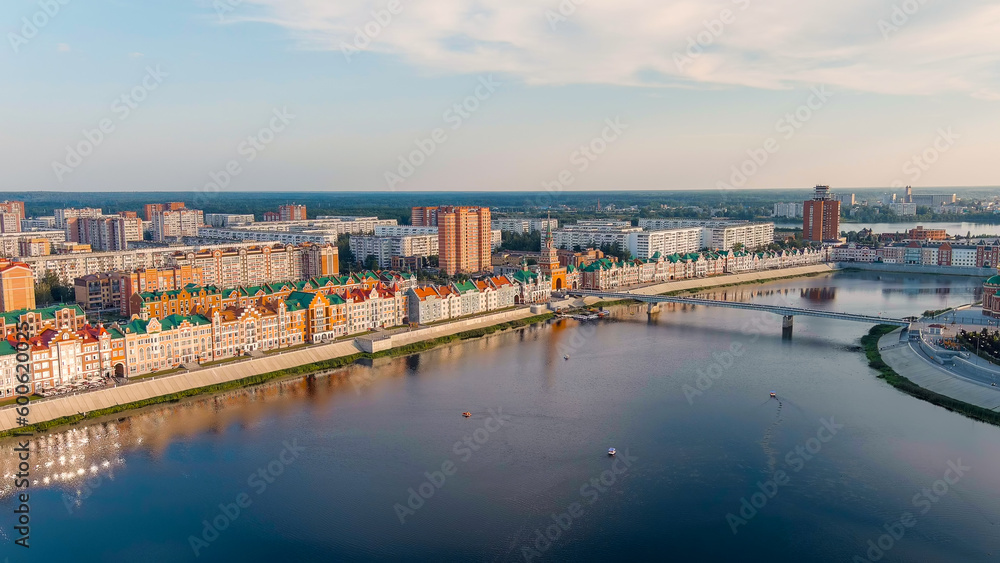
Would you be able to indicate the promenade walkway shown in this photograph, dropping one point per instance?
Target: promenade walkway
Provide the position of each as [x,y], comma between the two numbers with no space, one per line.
[909,363]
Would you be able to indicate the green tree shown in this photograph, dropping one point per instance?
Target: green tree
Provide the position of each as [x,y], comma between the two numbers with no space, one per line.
[346,256]
[51,290]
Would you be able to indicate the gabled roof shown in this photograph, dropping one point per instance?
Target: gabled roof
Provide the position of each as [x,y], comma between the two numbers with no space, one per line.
[45,312]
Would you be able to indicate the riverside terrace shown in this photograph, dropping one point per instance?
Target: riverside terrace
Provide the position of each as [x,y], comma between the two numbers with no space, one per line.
[787,312]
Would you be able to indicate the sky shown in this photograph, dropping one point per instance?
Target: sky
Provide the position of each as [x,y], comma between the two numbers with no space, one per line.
[545,95]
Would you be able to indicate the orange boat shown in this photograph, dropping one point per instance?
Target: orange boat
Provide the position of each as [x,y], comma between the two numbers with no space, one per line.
[466,414]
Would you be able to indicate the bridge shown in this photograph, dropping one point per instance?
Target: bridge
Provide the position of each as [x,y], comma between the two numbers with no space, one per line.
[788,313]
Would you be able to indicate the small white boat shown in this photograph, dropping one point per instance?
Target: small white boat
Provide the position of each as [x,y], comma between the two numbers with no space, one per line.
[612,451]
[566,357]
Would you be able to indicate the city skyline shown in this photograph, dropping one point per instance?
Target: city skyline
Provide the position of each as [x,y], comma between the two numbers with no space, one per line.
[671,95]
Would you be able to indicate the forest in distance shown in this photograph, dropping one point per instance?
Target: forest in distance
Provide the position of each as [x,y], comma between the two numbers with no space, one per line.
[743,204]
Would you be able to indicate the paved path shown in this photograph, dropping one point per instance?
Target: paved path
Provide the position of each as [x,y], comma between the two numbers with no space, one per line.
[929,375]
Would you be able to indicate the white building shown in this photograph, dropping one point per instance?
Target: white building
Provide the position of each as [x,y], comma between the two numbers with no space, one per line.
[43,223]
[171,225]
[403,230]
[385,247]
[903,208]
[718,234]
[518,225]
[61,215]
[228,219]
[645,244]
[791,210]
[594,234]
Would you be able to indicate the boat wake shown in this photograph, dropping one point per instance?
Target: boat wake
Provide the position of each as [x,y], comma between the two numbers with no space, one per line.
[765,442]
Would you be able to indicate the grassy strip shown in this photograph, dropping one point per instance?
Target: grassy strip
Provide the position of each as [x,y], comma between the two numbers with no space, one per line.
[303,369]
[870,344]
[930,313]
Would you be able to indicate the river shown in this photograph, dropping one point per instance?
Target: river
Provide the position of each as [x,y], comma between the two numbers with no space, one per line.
[837,460]
[952,228]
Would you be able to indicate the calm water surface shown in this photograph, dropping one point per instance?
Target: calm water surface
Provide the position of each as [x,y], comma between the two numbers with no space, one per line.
[952,228]
[370,434]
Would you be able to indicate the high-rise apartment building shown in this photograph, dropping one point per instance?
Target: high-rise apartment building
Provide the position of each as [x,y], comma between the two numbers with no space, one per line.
[17,286]
[821,216]
[154,208]
[14,207]
[9,223]
[292,213]
[424,216]
[464,237]
[171,225]
[63,216]
[104,233]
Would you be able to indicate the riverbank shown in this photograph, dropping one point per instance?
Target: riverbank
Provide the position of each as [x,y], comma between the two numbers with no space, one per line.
[702,284]
[884,338]
[51,413]
[918,269]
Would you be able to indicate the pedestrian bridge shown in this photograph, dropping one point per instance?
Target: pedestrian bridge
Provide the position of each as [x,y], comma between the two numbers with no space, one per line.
[787,312]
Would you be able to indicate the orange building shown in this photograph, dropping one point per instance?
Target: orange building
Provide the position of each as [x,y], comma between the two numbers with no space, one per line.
[464,239]
[13,207]
[292,213]
[821,216]
[17,286]
[920,233]
[154,208]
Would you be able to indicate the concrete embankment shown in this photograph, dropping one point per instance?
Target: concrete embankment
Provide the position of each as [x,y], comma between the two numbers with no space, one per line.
[710,282]
[918,269]
[735,279]
[52,409]
[906,362]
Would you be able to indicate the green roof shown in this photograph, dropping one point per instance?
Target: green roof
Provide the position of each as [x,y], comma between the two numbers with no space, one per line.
[136,326]
[994,280]
[6,348]
[524,276]
[466,286]
[298,300]
[45,312]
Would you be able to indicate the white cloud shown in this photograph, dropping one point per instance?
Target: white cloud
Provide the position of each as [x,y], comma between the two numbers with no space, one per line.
[135,55]
[930,48]
[62,47]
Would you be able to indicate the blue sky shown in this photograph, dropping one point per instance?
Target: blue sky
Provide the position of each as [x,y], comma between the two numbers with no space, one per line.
[560,69]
